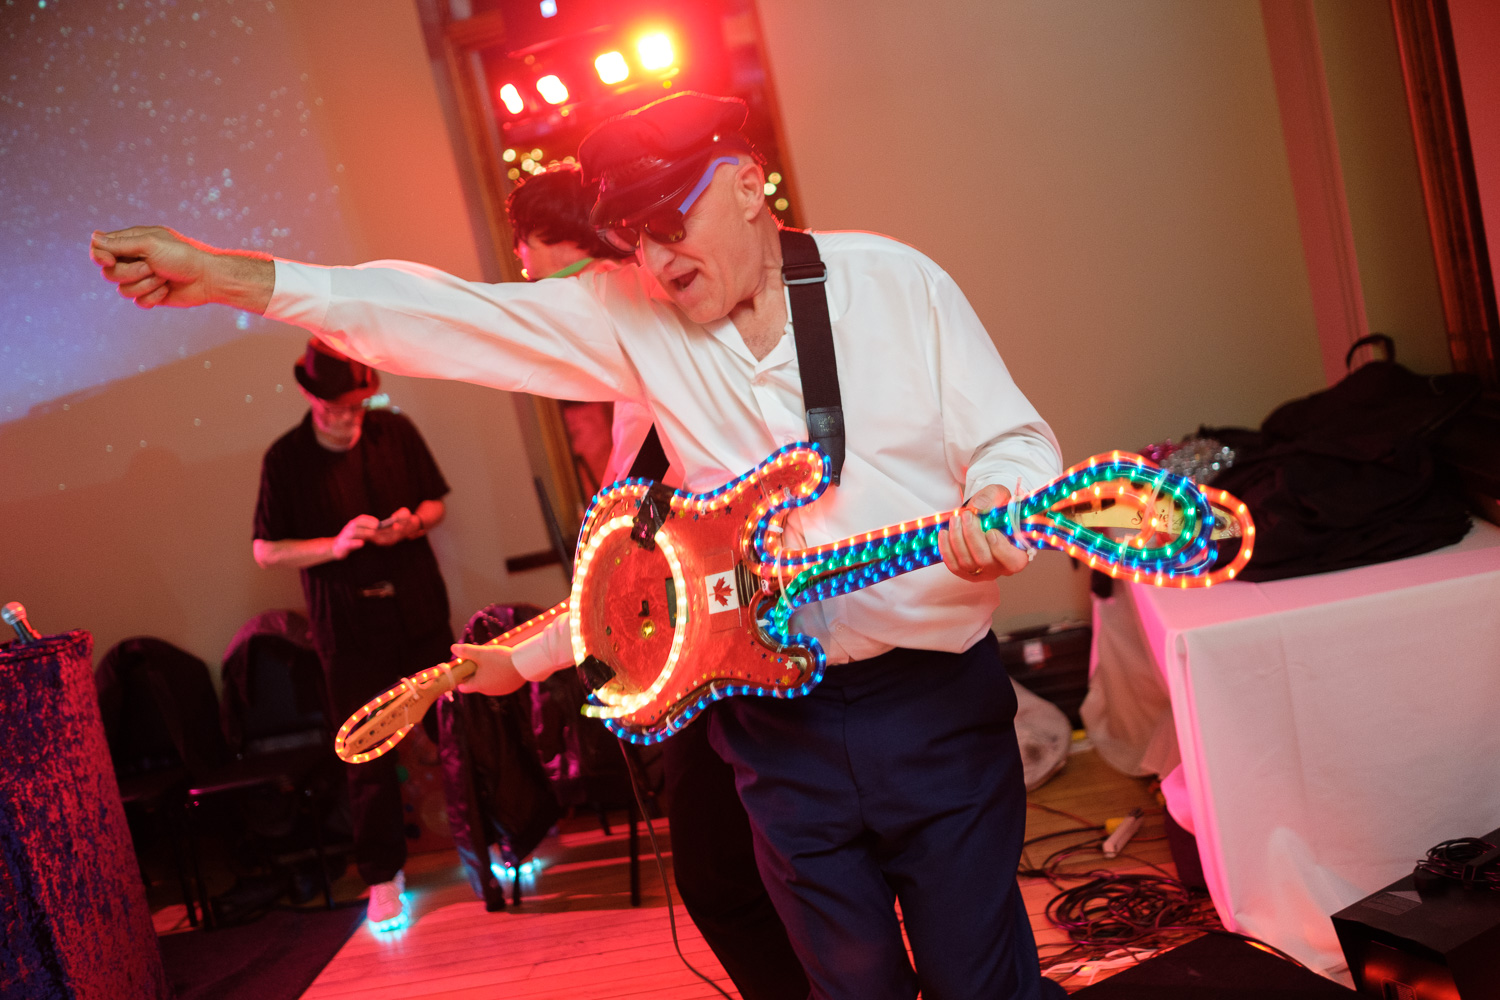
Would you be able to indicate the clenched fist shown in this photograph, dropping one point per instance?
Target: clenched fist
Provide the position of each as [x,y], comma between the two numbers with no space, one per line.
[157,266]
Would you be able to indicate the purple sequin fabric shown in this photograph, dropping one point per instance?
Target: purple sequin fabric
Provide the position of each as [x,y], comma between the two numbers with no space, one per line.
[73,916]
[1199,458]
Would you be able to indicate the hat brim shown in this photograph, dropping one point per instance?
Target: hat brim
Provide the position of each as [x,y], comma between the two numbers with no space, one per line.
[322,392]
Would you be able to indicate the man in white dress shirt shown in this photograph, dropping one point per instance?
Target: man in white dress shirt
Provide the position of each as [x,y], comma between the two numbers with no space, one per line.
[898,777]
[713,853]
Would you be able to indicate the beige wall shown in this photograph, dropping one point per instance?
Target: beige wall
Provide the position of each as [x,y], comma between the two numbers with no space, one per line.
[1108,184]
[153,535]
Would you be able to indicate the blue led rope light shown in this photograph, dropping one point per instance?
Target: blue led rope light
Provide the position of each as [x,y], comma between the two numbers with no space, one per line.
[718,691]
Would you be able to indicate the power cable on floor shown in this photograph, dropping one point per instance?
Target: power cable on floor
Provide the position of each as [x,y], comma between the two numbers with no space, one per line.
[635,788]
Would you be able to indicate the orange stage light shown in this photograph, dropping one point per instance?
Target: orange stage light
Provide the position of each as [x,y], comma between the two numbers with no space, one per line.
[552,89]
[612,67]
[511,98]
[655,51]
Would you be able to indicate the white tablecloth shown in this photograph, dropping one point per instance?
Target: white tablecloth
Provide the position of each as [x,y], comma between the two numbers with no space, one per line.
[1330,728]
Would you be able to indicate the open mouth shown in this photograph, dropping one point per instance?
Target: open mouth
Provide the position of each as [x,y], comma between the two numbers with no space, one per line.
[681,284]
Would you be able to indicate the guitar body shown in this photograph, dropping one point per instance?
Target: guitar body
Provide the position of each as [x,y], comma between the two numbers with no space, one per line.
[677,621]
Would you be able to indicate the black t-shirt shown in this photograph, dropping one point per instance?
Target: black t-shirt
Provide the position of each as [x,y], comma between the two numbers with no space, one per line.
[307,491]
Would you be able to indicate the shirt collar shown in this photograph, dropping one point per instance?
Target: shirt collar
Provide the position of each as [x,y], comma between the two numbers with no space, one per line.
[726,333]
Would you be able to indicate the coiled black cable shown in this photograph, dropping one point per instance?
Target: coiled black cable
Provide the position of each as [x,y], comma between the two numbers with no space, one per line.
[1469,860]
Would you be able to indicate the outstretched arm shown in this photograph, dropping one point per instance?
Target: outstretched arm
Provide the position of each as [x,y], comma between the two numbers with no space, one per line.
[157,266]
[503,669]
[400,317]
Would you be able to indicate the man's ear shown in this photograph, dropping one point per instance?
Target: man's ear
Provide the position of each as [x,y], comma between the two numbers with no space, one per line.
[750,188]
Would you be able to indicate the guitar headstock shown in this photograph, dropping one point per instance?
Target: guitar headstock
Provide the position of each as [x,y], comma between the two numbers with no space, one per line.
[1122,505]
[1128,517]
[386,719]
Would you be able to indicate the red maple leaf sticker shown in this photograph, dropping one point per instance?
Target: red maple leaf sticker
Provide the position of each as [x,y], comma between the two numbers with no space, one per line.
[721,592]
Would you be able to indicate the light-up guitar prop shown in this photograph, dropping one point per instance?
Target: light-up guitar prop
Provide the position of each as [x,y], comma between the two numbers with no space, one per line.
[665,578]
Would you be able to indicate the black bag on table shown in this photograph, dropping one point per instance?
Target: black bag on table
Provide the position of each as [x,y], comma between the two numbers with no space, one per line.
[1356,474]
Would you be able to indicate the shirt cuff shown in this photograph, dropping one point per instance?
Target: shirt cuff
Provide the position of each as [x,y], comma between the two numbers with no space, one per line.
[1007,480]
[546,652]
[302,294]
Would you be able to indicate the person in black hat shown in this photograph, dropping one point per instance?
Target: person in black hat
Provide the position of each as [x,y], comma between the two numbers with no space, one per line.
[347,497]
[898,777]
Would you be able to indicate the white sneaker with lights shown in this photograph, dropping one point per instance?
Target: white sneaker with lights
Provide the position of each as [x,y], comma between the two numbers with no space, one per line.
[386,907]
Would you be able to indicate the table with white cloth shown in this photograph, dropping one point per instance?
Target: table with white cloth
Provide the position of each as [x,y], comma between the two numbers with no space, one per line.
[1316,734]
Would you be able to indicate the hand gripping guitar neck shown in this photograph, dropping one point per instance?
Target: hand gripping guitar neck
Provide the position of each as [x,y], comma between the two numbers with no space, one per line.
[385,720]
[682,599]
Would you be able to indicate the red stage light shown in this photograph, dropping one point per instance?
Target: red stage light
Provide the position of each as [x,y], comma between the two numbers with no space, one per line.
[612,67]
[552,89]
[511,98]
[655,51]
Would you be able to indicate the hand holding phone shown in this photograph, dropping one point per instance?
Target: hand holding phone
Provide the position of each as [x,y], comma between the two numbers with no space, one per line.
[395,528]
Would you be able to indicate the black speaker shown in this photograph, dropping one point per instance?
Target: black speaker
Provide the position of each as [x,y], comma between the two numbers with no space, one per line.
[1424,938]
[1051,661]
[1217,967]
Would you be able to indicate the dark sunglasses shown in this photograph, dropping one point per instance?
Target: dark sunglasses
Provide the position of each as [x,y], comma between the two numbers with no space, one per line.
[663,223]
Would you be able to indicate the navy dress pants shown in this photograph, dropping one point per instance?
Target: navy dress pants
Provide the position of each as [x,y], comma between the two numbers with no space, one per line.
[897,778]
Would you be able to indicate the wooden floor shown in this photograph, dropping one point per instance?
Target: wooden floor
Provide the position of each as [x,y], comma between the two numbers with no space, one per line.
[1089,789]
[576,936]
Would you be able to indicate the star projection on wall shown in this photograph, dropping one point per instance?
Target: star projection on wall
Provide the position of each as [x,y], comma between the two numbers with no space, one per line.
[192,114]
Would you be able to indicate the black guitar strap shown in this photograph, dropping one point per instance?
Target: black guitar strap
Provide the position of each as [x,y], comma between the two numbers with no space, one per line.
[805,276]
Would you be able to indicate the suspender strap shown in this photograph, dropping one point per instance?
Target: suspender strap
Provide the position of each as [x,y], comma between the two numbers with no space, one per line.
[805,277]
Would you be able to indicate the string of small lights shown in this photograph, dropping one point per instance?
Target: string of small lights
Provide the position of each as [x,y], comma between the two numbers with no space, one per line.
[1184,557]
[1171,524]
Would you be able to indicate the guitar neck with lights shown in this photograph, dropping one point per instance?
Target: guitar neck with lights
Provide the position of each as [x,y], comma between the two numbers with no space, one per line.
[1171,524]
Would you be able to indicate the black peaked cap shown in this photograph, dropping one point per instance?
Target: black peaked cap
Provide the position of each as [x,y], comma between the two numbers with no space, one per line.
[644,156]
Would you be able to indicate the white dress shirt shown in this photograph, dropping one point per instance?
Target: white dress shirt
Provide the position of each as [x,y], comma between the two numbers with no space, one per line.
[627,432]
[930,413]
